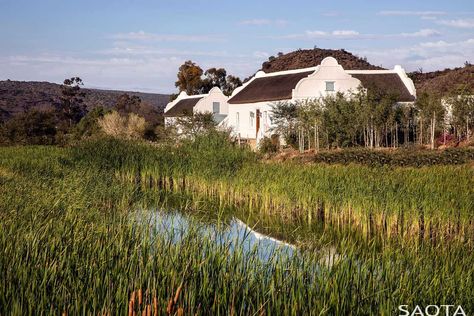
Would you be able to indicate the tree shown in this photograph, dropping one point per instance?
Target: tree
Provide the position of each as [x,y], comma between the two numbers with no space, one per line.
[32,127]
[192,80]
[72,101]
[189,78]
[285,117]
[463,113]
[232,83]
[199,123]
[127,104]
[431,108]
[88,126]
[214,77]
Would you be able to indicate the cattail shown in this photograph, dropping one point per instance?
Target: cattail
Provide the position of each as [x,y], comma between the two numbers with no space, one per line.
[176,296]
[169,308]
[140,297]
[148,310]
[180,311]
[130,308]
[155,306]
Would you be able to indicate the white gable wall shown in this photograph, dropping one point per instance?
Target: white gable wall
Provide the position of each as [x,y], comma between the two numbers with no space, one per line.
[206,104]
[314,86]
[202,106]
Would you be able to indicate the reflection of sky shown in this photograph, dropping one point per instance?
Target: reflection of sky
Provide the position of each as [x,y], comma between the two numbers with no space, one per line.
[236,234]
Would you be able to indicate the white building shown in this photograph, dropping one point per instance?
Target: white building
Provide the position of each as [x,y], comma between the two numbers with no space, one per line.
[250,106]
[186,105]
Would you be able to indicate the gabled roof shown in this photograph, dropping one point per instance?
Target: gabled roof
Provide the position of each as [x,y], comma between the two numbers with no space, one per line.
[269,88]
[183,107]
[387,82]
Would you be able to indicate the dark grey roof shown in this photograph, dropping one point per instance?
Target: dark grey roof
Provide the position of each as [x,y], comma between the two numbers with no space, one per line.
[184,107]
[271,88]
[387,83]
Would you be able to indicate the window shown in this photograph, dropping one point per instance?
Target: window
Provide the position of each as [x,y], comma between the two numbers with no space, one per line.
[237,119]
[252,116]
[329,85]
[216,107]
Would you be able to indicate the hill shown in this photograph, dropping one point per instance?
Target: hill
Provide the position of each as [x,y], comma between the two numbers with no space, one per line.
[20,96]
[445,81]
[304,58]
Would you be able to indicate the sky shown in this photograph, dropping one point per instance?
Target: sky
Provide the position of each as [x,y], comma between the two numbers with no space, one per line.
[139,45]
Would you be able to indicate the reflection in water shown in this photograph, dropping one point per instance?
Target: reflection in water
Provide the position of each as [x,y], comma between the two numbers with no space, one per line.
[235,234]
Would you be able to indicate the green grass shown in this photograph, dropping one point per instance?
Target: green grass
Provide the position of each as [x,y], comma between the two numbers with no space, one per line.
[68,241]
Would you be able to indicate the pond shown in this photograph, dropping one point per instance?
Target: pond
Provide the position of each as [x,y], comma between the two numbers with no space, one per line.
[233,232]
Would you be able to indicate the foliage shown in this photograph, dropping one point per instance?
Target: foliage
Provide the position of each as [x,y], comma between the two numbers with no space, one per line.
[193,80]
[217,77]
[127,104]
[72,101]
[30,128]
[198,123]
[284,116]
[189,78]
[267,146]
[401,157]
[130,126]
[88,126]
[369,118]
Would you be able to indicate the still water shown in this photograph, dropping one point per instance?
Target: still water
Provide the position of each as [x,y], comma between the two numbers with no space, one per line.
[233,232]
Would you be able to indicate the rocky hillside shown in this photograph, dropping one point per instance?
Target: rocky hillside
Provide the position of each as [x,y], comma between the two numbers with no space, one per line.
[445,81]
[19,96]
[303,58]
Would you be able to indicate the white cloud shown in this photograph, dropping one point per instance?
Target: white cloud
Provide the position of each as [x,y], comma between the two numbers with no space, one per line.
[428,17]
[459,23]
[259,54]
[410,13]
[152,37]
[421,33]
[333,34]
[259,22]
[345,33]
[352,34]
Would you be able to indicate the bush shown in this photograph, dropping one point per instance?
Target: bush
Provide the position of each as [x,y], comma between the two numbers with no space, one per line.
[267,146]
[88,126]
[406,157]
[129,126]
[30,128]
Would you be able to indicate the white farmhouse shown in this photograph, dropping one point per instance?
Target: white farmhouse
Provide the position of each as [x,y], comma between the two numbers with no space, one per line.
[250,106]
[214,102]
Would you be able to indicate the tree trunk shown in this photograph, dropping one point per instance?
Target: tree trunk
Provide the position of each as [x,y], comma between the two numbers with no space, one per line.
[433,122]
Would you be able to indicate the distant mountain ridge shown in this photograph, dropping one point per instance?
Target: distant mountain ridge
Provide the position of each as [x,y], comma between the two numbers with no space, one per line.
[20,96]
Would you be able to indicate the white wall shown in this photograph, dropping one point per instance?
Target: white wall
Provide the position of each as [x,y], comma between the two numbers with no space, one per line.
[206,104]
[314,86]
[244,127]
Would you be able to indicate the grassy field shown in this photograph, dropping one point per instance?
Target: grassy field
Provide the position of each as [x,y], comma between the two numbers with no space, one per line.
[68,242]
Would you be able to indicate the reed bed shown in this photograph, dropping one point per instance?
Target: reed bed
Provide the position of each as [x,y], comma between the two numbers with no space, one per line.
[69,243]
[433,203]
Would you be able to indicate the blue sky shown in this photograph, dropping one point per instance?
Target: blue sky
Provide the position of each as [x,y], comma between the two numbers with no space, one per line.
[139,45]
